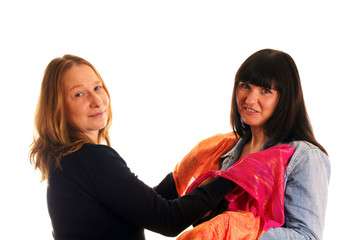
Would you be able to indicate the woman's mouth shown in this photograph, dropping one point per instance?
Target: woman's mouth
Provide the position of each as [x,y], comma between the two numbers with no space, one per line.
[250,110]
[98,114]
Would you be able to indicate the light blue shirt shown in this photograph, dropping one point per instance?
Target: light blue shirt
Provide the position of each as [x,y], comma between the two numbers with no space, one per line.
[306,191]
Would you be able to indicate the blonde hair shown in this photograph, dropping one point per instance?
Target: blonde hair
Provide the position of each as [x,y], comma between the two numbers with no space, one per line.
[54,137]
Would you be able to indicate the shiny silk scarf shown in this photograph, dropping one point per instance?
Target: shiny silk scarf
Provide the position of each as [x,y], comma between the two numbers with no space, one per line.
[256,204]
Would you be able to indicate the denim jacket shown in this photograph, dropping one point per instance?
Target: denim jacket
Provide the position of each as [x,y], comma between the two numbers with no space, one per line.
[306,190]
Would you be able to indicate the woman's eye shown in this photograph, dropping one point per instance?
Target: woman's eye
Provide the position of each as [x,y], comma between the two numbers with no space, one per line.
[244,86]
[97,88]
[78,94]
[266,90]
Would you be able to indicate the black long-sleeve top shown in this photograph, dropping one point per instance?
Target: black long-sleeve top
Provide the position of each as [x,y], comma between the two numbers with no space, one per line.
[95,196]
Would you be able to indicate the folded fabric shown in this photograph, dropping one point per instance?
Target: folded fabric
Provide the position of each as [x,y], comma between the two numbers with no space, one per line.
[202,158]
[256,204]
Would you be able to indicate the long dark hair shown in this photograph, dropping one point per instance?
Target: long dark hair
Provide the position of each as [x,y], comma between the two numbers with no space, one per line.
[289,121]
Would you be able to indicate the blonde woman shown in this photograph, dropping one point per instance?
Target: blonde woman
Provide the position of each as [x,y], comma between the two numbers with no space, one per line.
[92,194]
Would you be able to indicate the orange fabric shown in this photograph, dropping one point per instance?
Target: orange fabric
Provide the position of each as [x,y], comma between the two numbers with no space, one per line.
[258,207]
[202,158]
[227,226]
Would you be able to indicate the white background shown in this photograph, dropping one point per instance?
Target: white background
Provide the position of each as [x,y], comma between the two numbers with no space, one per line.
[170,66]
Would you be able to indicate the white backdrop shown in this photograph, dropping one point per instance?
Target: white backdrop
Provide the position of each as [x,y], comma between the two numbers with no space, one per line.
[170,67]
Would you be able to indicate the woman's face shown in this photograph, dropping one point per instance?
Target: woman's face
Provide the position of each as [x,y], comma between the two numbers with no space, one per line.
[86,102]
[256,104]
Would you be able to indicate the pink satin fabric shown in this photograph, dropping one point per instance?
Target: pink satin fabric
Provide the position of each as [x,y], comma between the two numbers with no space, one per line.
[256,204]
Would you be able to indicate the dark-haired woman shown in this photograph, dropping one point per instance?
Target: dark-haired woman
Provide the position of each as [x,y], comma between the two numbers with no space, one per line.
[92,194]
[268,109]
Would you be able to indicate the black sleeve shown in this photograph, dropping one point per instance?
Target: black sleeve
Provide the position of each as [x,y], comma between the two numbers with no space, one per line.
[129,198]
[167,188]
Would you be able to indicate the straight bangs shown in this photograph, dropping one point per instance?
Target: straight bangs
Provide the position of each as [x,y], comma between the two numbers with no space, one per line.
[276,70]
[260,73]
[266,69]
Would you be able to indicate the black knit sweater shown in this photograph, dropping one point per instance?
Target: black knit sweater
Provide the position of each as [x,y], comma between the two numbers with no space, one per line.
[95,196]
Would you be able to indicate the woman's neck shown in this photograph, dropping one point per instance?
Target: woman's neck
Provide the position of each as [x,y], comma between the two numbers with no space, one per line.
[256,142]
[258,137]
[93,136]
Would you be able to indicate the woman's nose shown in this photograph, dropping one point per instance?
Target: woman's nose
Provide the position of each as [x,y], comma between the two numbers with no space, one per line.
[252,97]
[95,100]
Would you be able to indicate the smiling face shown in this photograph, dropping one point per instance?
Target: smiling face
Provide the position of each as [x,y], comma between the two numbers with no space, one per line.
[86,101]
[255,104]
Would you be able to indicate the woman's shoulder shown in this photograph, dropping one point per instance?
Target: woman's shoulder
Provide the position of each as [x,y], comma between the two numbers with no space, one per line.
[219,138]
[304,147]
[92,159]
[216,143]
[92,153]
[307,153]
[97,149]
